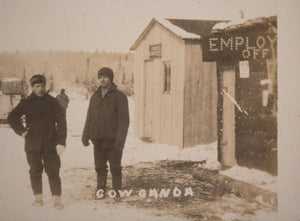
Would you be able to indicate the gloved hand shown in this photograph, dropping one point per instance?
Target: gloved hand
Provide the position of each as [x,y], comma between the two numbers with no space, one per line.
[60,149]
[85,140]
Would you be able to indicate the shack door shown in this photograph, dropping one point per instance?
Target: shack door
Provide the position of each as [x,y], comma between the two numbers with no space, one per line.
[148,100]
[256,129]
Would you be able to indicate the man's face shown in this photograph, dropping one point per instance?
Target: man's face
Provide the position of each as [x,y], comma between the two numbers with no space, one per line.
[38,89]
[104,81]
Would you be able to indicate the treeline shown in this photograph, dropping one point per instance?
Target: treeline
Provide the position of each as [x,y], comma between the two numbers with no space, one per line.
[78,68]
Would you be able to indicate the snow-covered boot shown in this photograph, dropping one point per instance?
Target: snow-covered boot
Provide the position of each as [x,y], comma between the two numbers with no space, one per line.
[38,201]
[57,202]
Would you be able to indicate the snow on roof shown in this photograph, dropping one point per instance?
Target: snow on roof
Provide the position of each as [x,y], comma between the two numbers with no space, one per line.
[237,23]
[198,27]
[169,26]
[224,25]
[176,30]
[220,26]
[9,79]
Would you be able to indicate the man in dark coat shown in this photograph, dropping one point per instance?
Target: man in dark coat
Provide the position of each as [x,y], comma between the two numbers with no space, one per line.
[63,99]
[106,126]
[45,137]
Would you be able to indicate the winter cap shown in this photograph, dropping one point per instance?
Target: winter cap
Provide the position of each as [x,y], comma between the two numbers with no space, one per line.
[106,71]
[37,79]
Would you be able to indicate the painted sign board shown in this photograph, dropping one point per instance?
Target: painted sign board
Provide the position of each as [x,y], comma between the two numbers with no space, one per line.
[239,46]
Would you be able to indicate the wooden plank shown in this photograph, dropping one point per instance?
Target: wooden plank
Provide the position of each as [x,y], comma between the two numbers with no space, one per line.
[137,92]
[190,97]
[200,99]
[180,95]
[200,85]
[148,100]
[228,136]
[156,100]
[187,98]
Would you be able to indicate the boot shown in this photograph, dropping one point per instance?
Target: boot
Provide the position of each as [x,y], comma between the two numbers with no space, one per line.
[57,202]
[38,200]
[117,184]
[101,185]
[100,194]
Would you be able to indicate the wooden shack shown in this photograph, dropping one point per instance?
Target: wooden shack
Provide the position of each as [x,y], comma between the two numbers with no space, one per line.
[11,92]
[246,55]
[175,92]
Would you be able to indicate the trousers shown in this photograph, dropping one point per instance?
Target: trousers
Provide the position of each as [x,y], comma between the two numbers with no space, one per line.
[51,162]
[104,153]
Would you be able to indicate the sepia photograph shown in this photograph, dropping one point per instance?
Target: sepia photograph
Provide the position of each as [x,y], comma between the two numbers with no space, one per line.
[158,110]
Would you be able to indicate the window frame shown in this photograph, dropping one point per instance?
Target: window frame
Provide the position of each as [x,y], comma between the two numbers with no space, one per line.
[167,71]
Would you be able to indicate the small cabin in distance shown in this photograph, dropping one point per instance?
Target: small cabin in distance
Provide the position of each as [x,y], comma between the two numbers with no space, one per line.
[175,92]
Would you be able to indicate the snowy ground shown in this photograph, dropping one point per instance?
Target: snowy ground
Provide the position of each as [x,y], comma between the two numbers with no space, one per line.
[139,151]
[16,196]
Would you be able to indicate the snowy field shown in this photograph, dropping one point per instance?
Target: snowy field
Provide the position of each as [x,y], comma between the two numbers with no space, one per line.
[16,195]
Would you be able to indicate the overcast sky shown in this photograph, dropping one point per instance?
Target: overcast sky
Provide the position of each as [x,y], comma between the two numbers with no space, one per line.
[112,25]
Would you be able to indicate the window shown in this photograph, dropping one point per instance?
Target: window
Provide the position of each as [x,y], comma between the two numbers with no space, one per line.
[155,51]
[167,77]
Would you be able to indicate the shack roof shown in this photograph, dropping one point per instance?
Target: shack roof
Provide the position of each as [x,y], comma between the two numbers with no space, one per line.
[182,28]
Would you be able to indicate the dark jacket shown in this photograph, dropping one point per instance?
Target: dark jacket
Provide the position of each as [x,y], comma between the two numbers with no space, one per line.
[107,118]
[63,100]
[45,122]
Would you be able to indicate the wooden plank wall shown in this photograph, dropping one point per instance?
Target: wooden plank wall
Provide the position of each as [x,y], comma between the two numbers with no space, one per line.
[167,110]
[200,99]
[139,93]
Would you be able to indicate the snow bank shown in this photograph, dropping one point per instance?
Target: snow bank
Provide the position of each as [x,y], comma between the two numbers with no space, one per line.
[259,178]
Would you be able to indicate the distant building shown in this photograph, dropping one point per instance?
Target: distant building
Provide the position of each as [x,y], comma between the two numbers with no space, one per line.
[12,90]
[175,92]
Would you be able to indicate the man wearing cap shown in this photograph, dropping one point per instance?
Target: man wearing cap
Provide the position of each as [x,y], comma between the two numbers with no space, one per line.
[106,126]
[63,99]
[45,138]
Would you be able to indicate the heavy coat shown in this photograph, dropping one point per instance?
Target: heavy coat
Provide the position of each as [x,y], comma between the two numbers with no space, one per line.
[107,117]
[45,122]
[63,100]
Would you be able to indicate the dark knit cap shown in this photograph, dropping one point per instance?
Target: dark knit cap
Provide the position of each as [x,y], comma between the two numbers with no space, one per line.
[106,71]
[37,79]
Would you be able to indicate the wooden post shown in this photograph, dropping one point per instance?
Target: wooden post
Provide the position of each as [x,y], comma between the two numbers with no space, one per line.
[11,102]
[228,135]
